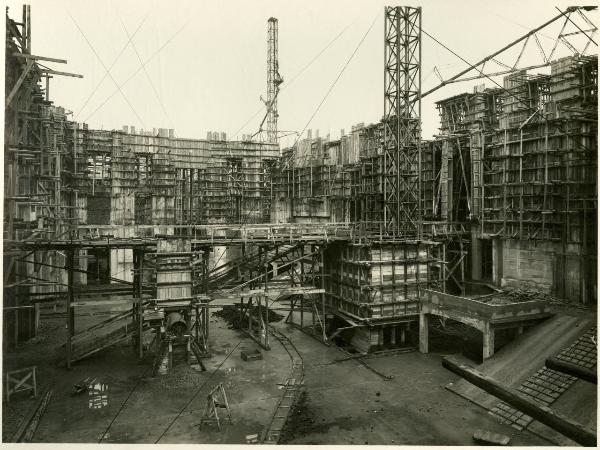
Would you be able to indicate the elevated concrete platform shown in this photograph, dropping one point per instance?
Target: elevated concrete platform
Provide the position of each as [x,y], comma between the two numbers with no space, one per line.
[523,358]
[486,314]
[520,359]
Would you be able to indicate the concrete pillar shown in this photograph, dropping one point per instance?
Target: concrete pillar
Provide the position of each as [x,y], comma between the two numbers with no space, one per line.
[36,307]
[475,255]
[380,336]
[393,335]
[402,335]
[488,341]
[423,333]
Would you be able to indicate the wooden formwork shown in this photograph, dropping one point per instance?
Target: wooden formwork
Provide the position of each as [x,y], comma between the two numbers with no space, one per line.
[380,280]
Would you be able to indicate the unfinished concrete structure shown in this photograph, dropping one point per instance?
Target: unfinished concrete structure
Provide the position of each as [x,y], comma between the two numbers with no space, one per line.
[364,237]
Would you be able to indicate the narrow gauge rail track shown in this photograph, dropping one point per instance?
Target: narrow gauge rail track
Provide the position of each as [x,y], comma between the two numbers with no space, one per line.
[273,432]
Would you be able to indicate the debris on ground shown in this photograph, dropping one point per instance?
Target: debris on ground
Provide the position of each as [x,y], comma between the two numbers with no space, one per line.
[181,375]
[231,314]
[300,422]
[254,355]
[83,385]
[519,295]
[485,437]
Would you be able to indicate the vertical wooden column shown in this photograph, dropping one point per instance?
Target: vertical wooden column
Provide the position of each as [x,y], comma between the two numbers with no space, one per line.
[521,186]
[264,297]
[265,266]
[205,311]
[140,311]
[443,268]
[36,319]
[302,296]
[314,280]
[424,333]
[70,297]
[197,324]
[242,314]
[324,321]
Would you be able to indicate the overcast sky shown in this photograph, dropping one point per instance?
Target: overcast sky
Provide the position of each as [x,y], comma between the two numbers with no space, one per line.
[207,59]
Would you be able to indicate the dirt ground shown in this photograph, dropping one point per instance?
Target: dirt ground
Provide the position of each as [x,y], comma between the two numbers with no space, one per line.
[343,401]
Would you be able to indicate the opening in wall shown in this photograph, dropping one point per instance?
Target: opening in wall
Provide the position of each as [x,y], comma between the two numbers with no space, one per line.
[98,266]
[487,261]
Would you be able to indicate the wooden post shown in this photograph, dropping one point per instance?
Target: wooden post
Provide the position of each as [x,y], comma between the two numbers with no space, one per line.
[16,327]
[423,333]
[521,189]
[140,268]
[36,307]
[197,324]
[292,304]
[322,253]
[70,317]
[302,296]
[205,312]
[266,321]
[543,414]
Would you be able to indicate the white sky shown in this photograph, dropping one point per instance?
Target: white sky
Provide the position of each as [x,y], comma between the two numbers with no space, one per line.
[210,75]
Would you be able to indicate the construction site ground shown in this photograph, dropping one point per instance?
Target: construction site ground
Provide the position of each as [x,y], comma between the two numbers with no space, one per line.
[344,401]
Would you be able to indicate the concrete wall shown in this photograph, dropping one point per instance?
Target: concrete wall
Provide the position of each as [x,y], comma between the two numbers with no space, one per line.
[527,264]
[547,267]
[98,210]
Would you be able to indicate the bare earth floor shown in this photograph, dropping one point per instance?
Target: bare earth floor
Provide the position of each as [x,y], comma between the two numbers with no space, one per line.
[346,403]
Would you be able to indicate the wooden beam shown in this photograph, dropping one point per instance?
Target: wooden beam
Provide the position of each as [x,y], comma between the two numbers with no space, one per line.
[39,58]
[572,369]
[19,82]
[56,72]
[12,27]
[568,427]
[125,302]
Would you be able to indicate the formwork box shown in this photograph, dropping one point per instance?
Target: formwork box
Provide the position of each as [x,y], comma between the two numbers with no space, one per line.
[378,280]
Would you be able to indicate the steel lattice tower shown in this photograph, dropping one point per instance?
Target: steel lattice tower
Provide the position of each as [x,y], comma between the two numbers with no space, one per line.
[402,126]
[273,80]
